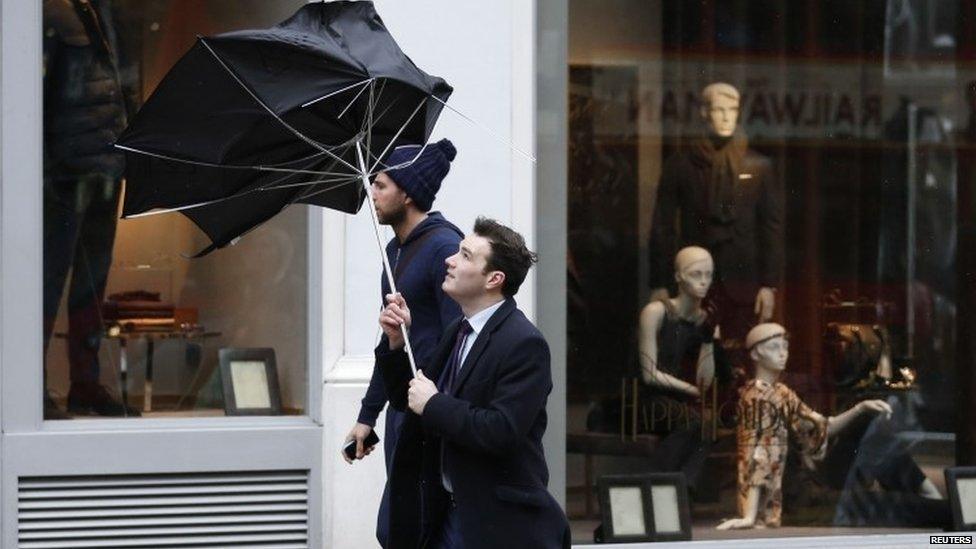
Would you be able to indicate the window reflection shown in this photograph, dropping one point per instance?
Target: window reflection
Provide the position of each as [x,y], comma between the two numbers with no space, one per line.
[131,326]
[840,185]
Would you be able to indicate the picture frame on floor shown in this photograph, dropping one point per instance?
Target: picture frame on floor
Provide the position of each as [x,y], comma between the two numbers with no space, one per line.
[250,381]
[648,507]
[961,487]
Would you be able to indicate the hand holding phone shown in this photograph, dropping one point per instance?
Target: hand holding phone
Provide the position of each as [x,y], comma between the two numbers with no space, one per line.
[349,449]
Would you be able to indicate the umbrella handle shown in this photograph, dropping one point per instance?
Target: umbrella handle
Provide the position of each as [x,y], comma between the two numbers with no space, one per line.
[379,241]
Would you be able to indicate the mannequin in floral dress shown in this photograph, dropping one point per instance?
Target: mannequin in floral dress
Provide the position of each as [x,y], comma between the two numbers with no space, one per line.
[769,412]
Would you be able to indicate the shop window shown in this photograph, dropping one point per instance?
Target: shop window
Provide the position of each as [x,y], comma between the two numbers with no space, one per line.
[132,325]
[820,158]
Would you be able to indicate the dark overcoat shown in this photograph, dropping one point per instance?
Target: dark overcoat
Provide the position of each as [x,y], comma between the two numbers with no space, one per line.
[487,434]
[744,232]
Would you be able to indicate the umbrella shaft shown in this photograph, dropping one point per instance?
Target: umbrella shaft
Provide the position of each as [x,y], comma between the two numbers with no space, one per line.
[379,241]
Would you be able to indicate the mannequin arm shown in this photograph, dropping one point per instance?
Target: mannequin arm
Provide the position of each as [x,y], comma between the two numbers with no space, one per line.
[765,303]
[705,373]
[838,423]
[752,510]
[650,323]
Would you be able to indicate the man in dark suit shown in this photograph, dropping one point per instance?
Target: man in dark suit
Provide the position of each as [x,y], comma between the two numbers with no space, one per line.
[469,470]
[717,193]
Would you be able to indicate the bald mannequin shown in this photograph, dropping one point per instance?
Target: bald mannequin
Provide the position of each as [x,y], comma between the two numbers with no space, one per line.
[687,257]
[693,270]
[718,193]
[768,349]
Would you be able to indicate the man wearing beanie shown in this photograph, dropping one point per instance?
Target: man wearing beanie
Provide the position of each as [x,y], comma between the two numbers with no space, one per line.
[403,195]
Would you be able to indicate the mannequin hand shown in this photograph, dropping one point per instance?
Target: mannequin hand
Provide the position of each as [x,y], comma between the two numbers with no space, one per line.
[736,523]
[874,407]
[765,304]
[705,375]
[657,294]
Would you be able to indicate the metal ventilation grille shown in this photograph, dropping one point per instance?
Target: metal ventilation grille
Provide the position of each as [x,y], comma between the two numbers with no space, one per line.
[253,510]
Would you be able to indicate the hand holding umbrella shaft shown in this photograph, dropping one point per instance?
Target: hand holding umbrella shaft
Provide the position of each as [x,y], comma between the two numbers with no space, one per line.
[395,320]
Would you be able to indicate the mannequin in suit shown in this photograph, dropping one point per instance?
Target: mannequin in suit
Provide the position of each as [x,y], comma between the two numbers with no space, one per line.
[717,193]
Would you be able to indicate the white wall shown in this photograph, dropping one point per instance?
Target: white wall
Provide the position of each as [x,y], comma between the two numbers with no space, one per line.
[474,46]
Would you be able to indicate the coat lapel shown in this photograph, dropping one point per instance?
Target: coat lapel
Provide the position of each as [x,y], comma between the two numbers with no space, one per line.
[433,369]
[481,343]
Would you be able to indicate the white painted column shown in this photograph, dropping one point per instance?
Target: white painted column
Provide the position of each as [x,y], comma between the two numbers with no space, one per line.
[481,49]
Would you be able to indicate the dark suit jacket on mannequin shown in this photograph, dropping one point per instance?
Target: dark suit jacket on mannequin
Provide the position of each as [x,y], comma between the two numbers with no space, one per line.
[489,432]
[742,228]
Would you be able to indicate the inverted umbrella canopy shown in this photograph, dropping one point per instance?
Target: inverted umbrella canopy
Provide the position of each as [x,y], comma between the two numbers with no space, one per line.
[251,121]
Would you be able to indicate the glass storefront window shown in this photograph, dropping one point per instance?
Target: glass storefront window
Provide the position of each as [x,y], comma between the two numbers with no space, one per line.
[132,326]
[819,155]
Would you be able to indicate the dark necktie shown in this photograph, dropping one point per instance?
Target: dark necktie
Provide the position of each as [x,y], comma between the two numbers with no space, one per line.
[446,381]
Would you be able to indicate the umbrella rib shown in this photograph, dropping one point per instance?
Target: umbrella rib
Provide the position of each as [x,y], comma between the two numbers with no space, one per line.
[271,168]
[380,94]
[352,102]
[254,96]
[290,175]
[235,195]
[368,122]
[357,180]
[328,95]
[374,120]
[397,136]
[180,208]
[340,180]
[323,191]
[388,108]
[485,128]
[309,194]
[301,195]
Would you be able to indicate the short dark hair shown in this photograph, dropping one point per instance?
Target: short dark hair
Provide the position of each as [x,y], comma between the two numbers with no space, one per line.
[508,253]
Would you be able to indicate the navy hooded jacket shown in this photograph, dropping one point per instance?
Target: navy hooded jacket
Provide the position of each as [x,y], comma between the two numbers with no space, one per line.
[420,269]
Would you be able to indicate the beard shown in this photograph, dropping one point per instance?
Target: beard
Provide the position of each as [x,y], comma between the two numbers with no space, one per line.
[393,217]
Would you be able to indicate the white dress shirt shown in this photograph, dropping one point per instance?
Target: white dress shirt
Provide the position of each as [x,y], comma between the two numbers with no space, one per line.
[477,322]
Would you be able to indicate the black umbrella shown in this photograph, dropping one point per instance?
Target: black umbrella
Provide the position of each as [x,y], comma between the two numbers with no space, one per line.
[249,122]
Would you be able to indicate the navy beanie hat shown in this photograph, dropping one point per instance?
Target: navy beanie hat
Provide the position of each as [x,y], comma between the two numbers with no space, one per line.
[421,179]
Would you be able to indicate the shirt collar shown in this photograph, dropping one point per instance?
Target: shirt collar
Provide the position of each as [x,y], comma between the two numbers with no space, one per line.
[479,319]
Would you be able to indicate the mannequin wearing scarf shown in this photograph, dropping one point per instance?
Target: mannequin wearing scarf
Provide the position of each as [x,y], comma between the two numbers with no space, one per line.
[719,160]
[717,193]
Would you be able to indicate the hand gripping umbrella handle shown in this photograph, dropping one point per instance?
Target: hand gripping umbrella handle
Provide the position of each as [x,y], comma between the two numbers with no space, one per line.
[379,241]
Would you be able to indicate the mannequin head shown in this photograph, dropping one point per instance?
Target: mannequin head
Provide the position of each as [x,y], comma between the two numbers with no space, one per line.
[768,347]
[693,269]
[720,108]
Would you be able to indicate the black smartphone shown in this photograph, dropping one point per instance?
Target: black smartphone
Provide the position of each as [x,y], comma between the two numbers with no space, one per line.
[350,448]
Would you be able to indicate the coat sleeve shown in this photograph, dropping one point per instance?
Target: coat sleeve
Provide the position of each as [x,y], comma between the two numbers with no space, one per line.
[394,368]
[664,237]
[522,385]
[771,228]
[375,398]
